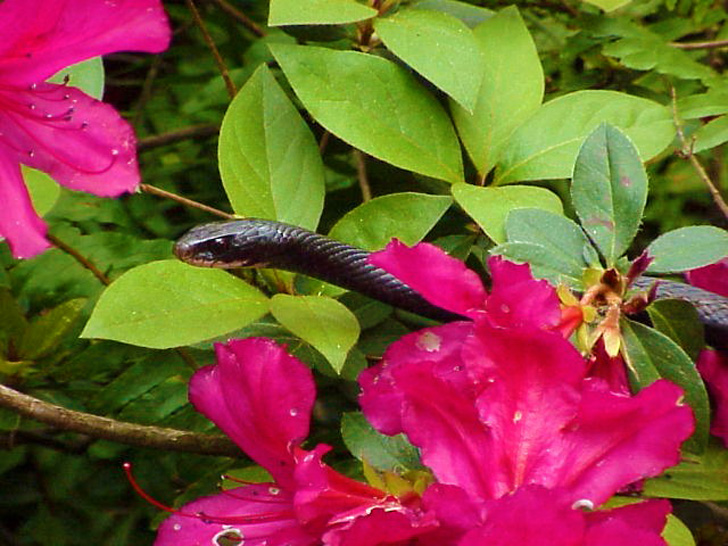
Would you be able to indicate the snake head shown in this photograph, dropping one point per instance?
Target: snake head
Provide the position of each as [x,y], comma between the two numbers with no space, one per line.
[219,244]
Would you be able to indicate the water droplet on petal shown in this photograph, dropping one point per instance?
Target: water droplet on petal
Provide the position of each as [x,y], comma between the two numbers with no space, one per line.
[583,504]
[293,412]
[114,152]
[429,342]
[177,527]
[33,86]
[31,153]
[274,491]
[32,106]
[505,308]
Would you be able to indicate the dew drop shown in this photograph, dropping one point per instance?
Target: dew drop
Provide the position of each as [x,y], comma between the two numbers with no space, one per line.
[31,153]
[177,527]
[32,106]
[33,86]
[505,308]
[114,152]
[517,416]
[293,412]
[429,342]
[583,504]
[274,491]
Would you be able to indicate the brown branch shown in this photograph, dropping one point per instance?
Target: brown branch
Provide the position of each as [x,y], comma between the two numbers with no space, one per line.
[715,44]
[201,130]
[213,48]
[116,431]
[146,188]
[361,174]
[246,21]
[687,152]
[79,258]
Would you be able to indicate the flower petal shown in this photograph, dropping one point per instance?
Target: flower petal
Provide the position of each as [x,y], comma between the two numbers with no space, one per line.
[713,367]
[638,524]
[79,141]
[40,37]
[256,515]
[19,224]
[261,397]
[380,400]
[440,279]
[517,299]
[713,277]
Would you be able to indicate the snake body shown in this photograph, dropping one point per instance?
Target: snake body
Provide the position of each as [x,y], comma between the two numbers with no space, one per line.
[266,243]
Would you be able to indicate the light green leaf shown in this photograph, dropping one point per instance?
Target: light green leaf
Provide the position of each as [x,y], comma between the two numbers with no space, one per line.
[375,106]
[438,46]
[489,207]
[406,216]
[544,263]
[608,5]
[323,322]
[609,190]
[317,12]
[546,145]
[687,248]
[467,13]
[676,533]
[511,90]
[699,477]
[168,304]
[385,453]
[269,161]
[44,192]
[650,355]
[87,75]
[678,320]
[712,134]
[561,237]
[714,102]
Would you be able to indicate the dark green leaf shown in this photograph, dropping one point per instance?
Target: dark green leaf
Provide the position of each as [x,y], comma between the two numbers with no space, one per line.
[544,263]
[47,331]
[406,216]
[678,320]
[467,13]
[376,106]
[169,304]
[609,190]
[269,161]
[687,248]
[651,355]
[386,453]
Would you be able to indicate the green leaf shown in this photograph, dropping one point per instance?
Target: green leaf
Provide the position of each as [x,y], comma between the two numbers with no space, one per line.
[544,263]
[650,355]
[714,102]
[323,322]
[385,453]
[317,12]
[699,477]
[609,190]
[489,207]
[511,90]
[45,333]
[406,216]
[678,320]
[87,75]
[269,160]
[712,134]
[687,248]
[676,533]
[467,13]
[561,237]
[376,106]
[12,320]
[439,47]
[168,304]
[44,192]
[546,145]
[608,5]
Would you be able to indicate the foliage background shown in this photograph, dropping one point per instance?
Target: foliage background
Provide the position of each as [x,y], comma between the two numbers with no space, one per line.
[64,489]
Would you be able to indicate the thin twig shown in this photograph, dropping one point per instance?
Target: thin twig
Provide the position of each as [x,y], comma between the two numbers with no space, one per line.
[201,130]
[79,258]
[324,142]
[188,202]
[146,92]
[213,48]
[715,44]
[361,174]
[116,431]
[246,21]
[687,152]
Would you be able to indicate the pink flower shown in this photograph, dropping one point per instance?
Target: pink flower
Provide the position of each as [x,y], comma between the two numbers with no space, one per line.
[713,277]
[262,398]
[506,419]
[80,142]
[516,299]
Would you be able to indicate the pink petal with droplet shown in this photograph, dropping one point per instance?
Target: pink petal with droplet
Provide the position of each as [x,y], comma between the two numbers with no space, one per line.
[19,224]
[40,37]
[440,279]
[261,397]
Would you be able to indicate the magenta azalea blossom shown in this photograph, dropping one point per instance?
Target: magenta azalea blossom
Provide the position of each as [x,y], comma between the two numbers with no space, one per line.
[262,398]
[713,277]
[506,418]
[79,141]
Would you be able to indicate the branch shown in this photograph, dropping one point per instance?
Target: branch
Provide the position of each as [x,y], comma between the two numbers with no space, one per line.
[147,188]
[201,130]
[116,431]
[700,45]
[246,21]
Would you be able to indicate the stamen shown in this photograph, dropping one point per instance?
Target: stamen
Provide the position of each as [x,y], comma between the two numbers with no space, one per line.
[143,494]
